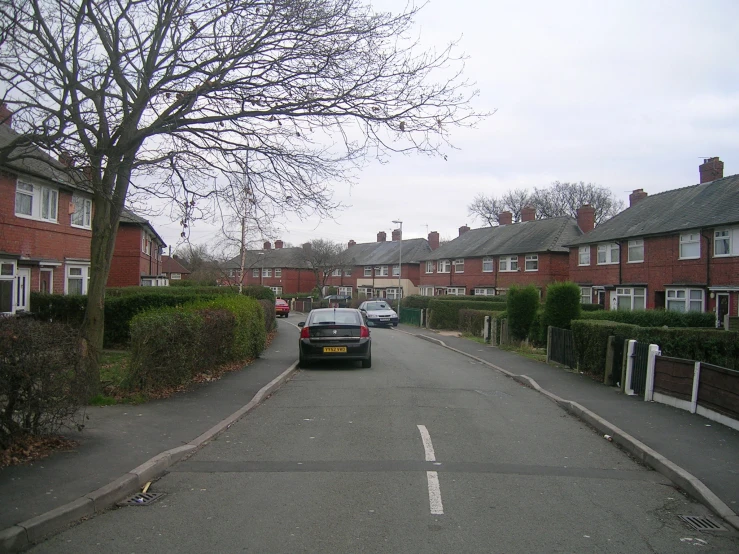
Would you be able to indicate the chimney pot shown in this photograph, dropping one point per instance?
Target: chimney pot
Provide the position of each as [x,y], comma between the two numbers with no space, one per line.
[637,196]
[528,213]
[505,218]
[6,116]
[434,240]
[586,218]
[710,170]
[396,235]
[381,236]
[351,243]
[279,244]
[463,229]
[307,247]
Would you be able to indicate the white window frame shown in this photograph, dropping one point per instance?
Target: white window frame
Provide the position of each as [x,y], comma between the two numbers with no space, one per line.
[430,267]
[84,276]
[687,240]
[488,264]
[255,273]
[583,255]
[508,264]
[632,293]
[484,291]
[722,235]
[82,206]
[427,291]
[8,271]
[336,272]
[691,301]
[278,272]
[531,263]
[393,293]
[266,272]
[608,249]
[381,271]
[42,199]
[444,266]
[586,295]
[146,244]
[368,271]
[276,290]
[458,265]
[635,253]
[456,291]
[175,276]
[396,270]
[345,291]
[348,272]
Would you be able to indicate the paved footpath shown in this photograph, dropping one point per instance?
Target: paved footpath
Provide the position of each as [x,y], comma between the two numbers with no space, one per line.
[706,449]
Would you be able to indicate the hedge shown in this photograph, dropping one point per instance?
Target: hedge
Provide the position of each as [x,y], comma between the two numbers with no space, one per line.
[473,321]
[712,346]
[416,301]
[591,307]
[562,305]
[480,298]
[522,305]
[591,341]
[270,317]
[445,314]
[656,318]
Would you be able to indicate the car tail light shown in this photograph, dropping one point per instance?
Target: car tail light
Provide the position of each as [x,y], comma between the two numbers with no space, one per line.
[364,332]
[305,333]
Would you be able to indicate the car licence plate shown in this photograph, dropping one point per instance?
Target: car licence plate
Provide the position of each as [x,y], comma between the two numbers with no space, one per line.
[334,349]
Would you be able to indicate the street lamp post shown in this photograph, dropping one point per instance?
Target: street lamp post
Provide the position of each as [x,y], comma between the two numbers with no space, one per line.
[400,264]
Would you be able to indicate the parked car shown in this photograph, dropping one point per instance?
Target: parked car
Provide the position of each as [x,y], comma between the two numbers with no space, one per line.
[379,312]
[334,334]
[282,308]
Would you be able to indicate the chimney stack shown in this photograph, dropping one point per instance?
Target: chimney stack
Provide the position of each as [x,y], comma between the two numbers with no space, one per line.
[397,235]
[637,196]
[381,236]
[352,243]
[528,213]
[710,170]
[463,229]
[434,240]
[307,247]
[6,116]
[279,244]
[586,218]
[505,218]
[267,245]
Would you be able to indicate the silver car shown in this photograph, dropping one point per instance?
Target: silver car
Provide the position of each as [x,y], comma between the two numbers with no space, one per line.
[379,312]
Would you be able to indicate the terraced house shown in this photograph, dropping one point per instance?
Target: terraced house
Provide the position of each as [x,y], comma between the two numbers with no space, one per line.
[489,260]
[677,250]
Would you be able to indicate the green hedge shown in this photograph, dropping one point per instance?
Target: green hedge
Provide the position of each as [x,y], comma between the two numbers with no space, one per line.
[591,341]
[522,306]
[445,314]
[195,290]
[656,318]
[187,283]
[562,305]
[473,321]
[712,346]
[251,331]
[416,301]
[270,317]
[480,298]
[591,307]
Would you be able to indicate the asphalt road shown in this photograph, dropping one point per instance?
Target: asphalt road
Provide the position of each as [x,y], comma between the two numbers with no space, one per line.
[427,452]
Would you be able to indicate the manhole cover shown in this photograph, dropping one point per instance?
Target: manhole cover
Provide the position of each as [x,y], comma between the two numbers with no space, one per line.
[141,499]
[703,523]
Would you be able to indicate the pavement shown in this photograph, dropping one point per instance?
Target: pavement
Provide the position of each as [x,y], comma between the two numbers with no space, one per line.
[43,498]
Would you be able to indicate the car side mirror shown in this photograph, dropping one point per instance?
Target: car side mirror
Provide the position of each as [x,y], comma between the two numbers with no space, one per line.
[301,324]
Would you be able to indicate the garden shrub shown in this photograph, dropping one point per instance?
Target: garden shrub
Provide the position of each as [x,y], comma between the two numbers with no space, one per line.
[522,305]
[38,392]
[473,321]
[562,305]
[445,314]
[538,330]
[270,317]
[656,318]
[591,341]
[591,307]
[250,335]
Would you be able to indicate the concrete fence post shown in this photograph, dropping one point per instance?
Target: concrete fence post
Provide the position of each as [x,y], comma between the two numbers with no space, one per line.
[486,329]
[494,332]
[549,343]
[649,388]
[629,368]
[696,384]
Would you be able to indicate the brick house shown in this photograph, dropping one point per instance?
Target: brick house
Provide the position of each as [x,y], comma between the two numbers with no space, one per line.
[375,268]
[137,256]
[281,269]
[45,227]
[677,250]
[489,260]
[173,270]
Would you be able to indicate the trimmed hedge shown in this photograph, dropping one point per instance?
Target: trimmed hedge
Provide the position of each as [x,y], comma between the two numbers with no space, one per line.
[251,332]
[416,301]
[712,346]
[522,305]
[445,314]
[562,305]
[591,341]
[473,321]
[656,318]
[480,298]
[591,307]
[270,317]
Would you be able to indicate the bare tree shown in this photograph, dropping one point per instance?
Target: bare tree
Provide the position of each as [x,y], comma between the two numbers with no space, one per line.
[323,257]
[515,201]
[489,208]
[164,97]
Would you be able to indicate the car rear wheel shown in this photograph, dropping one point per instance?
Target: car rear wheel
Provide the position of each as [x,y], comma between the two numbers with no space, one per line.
[367,363]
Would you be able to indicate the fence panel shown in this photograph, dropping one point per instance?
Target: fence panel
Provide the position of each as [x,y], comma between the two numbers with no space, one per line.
[563,347]
[639,375]
[719,390]
[674,377]
[410,316]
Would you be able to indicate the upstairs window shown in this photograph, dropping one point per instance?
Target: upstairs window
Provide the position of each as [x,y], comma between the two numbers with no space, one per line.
[82,215]
[459,266]
[583,255]
[348,272]
[508,263]
[255,273]
[429,267]
[690,246]
[266,272]
[636,250]
[396,270]
[368,272]
[36,201]
[722,243]
[381,271]
[487,265]
[608,253]
[445,266]
[336,272]
[278,272]
[532,262]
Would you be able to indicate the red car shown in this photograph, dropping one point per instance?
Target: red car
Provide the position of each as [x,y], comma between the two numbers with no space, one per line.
[282,308]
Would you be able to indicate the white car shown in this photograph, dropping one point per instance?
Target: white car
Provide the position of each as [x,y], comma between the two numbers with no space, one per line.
[379,312]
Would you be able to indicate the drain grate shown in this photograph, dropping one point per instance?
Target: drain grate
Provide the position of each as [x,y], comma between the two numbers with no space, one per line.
[703,523]
[141,499]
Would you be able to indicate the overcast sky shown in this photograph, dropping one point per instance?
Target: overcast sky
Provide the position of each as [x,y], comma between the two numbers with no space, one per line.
[627,94]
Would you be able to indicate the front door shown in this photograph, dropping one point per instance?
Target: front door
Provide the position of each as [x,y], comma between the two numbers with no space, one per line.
[722,308]
[22,289]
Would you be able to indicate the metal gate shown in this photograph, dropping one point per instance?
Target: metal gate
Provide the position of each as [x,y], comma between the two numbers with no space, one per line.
[411,316]
[617,361]
[562,348]
[639,372]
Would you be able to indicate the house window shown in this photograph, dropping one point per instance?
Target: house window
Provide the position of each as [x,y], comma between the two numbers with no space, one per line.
[427,291]
[396,270]
[690,246]
[532,262]
[82,215]
[381,271]
[36,201]
[685,300]
[608,253]
[266,272]
[255,273]
[722,243]
[455,291]
[583,255]
[345,291]
[364,292]
[278,272]
[444,266]
[145,244]
[487,265]
[484,291]
[7,278]
[78,279]
[276,290]
[458,266]
[336,272]
[368,272]
[631,298]
[348,272]
[430,268]
[636,250]
[175,276]
[508,263]
[586,295]
[393,294]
